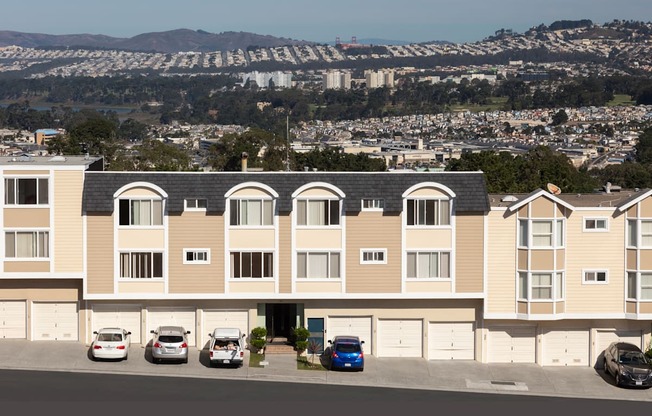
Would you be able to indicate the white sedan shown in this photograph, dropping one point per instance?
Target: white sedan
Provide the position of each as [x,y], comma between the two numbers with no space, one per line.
[111,343]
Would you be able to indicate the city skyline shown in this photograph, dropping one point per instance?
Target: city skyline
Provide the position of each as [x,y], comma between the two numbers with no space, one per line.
[415,20]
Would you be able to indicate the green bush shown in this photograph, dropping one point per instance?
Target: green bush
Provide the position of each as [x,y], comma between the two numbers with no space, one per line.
[258,337]
[301,334]
[301,346]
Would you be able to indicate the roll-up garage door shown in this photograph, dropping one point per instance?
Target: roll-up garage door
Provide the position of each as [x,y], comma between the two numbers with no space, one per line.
[118,316]
[13,319]
[400,338]
[512,345]
[53,321]
[224,319]
[351,325]
[184,317]
[451,341]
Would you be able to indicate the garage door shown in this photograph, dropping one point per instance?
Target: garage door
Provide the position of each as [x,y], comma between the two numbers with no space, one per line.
[55,321]
[451,341]
[511,345]
[184,317]
[400,338]
[351,325]
[566,348]
[223,319]
[118,316]
[13,319]
[604,338]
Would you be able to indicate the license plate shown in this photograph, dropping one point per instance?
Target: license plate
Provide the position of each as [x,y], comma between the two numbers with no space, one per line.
[170,349]
[347,364]
[109,347]
[639,383]
[226,361]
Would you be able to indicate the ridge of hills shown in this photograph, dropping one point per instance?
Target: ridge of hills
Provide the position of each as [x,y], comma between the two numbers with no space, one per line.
[178,40]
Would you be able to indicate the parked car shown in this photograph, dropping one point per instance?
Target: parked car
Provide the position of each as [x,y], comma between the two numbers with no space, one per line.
[111,343]
[628,365]
[226,347]
[170,343]
[345,352]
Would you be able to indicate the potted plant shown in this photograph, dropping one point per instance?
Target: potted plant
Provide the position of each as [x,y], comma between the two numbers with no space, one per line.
[259,339]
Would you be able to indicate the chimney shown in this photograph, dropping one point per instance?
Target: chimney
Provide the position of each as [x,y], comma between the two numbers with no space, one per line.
[243,161]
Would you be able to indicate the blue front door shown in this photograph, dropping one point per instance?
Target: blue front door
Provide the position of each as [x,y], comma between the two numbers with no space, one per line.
[316,328]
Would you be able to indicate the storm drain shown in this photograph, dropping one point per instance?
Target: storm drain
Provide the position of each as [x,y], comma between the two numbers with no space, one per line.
[496,385]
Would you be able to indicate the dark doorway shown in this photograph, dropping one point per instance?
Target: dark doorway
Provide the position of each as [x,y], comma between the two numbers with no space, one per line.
[280,319]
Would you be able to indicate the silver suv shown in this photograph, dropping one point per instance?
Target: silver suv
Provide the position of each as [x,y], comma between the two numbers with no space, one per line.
[170,343]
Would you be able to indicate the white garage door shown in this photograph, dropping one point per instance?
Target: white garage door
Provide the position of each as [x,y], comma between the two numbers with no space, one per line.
[566,348]
[400,338]
[451,341]
[13,319]
[118,316]
[184,317]
[55,321]
[607,337]
[350,325]
[223,319]
[512,345]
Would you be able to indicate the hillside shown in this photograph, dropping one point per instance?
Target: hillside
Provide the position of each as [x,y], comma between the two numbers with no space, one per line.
[180,40]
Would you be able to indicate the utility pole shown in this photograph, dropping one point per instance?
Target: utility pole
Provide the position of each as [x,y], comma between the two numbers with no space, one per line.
[287,145]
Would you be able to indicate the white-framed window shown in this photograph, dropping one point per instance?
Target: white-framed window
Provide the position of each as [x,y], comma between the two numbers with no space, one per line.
[639,286]
[251,212]
[541,233]
[318,265]
[26,191]
[27,244]
[373,256]
[141,265]
[541,286]
[195,204]
[596,224]
[252,264]
[140,212]
[318,212]
[428,265]
[373,204]
[428,212]
[639,233]
[196,256]
[595,276]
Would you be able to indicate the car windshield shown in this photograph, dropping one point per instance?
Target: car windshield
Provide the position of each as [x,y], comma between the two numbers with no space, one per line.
[109,337]
[170,338]
[632,357]
[347,348]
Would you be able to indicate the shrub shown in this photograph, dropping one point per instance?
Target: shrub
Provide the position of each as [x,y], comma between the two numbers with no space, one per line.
[258,338]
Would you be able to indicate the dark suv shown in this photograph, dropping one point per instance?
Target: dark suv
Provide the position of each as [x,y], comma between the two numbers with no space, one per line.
[628,364]
[345,352]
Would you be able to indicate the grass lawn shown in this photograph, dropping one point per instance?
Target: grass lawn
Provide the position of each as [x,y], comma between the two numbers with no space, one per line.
[305,363]
[620,99]
[495,103]
[255,359]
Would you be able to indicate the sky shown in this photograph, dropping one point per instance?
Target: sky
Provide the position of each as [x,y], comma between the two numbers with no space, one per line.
[397,20]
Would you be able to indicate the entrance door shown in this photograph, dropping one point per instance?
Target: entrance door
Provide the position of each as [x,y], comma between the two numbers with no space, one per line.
[316,328]
[280,319]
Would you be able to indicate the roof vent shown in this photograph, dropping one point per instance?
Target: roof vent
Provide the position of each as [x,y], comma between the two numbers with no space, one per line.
[57,158]
[509,198]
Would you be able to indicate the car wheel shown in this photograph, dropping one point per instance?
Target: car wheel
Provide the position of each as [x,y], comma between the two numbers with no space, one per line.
[604,366]
[617,379]
[156,360]
[185,361]
[126,356]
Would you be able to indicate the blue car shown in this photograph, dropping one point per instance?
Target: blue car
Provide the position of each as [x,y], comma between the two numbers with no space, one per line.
[345,352]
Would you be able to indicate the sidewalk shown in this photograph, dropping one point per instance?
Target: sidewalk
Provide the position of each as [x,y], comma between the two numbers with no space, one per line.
[410,373]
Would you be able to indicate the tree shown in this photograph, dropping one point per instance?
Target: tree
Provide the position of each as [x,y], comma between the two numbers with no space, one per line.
[644,147]
[559,118]
[132,130]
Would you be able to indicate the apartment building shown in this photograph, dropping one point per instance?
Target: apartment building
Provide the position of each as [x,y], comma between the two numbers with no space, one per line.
[418,264]
[336,80]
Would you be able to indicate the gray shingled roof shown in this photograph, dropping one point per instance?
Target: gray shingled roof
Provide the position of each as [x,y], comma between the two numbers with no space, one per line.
[470,188]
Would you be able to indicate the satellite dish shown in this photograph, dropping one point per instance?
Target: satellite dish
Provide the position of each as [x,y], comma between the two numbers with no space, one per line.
[553,189]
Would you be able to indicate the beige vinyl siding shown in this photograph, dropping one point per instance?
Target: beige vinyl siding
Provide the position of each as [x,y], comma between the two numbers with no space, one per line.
[469,262]
[646,208]
[632,212]
[304,286]
[285,254]
[416,239]
[47,290]
[28,217]
[645,307]
[196,230]
[134,239]
[537,308]
[630,307]
[542,208]
[321,239]
[68,224]
[100,248]
[139,192]
[646,260]
[523,259]
[373,230]
[263,239]
[27,266]
[141,286]
[501,262]
[542,260]
[258,286]
[584,250]
[631,259]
